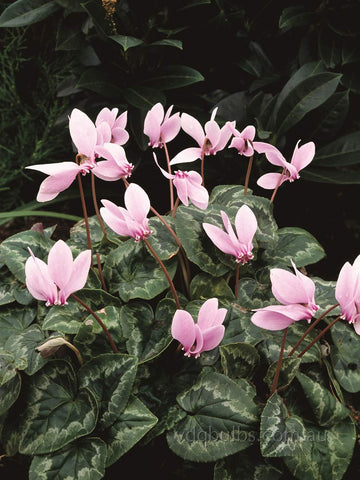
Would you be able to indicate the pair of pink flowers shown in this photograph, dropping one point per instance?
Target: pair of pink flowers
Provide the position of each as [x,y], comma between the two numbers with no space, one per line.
[55,281]
[295,292]
[102,139]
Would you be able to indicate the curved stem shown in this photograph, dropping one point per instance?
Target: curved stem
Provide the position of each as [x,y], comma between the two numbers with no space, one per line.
[93,192]
[100,272]
[237,281]
[155,255]
[248,174]
[319,336]
[277,186]
[313,325]
[278,366]
[202,161]
[106,331]
[169,170]
[86,219]
[175,207]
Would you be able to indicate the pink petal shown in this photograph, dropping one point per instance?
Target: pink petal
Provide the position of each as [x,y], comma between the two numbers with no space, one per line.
[213,132]
[114,217]
[183,329]
[357,326]
[198,194]
[303,156]
[106,115]
[286,287]
[197,348]
[152,128]
[121,121]
[230,230]
[249,133]
[108,170]
[38,280]
[164,172]
[207,313]
[103,132]
[186,156]
[271,320]
[83,133]
[345,285]
[212,337]
[119,136]
[272,153]
[170,128]
[270,180]
[193,128]
[60,263]
[181,186]
[220,239]
[112,151]
[54,184]
[54,168]
[225,134]
[246,225]
[79,274]
[137,202]
[307,283]
[238,143]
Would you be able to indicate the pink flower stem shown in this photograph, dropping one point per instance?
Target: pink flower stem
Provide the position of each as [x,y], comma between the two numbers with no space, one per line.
[237,281]
[175,207]
[313,325]
[279,362]
[202,161]
[93,191]
[86,219]
[106,331]
[277,186]
[248,174]
[169,170]
[319,336]
[155,255]
[100,272]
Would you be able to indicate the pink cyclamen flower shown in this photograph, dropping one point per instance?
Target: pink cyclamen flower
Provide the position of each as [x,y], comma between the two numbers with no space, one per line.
[55,281]
[131,221]
[204,335]
[347,293]
[300,159]
[239,245]
[242,141]
[61,175]
[295,292]
[188,186]
[116,164]
[161,127]
[110,128]
[211,139]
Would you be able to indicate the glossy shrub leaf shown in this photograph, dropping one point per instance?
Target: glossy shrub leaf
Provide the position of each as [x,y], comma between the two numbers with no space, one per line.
[167,42]
[345,356]
[24,345]
[56,411]
[329,453]
[161,239]
[27,12]
[174,76]
[288,371]
[204,286]
[9,393]
[197,245]
[294,244]
[342,151]
[295,16]
[281,435]
[110,378]
[98,81]
[143,97]
[332,175]
[126,41]
[239,360]
[147,334]
[83,459]
[329,46]
[244,465]
[332,114]
[14,250]
[133,423]
[131,272]
[221,419]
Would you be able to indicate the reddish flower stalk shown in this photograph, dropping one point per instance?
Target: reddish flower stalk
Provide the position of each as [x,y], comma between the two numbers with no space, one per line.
[319,336]
[278,366]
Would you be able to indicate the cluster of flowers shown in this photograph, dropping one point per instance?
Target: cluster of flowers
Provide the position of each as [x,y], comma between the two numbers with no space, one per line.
[56,281]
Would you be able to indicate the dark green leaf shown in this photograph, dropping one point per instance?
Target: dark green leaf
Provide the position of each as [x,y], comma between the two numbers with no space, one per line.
[174,76]
[13,321]
[205,286]
[27,12]
[351,78]
[233,107]
[238,327]
[325,296]
[332,114]
[9,393]
[167,42]
[99,82]
[330,50]
[332,175]
[161,239]
[288,371]
[243,465]
[295,16]
[126,41]
[9,365]
[345,356]
[239,360]
[221,419]
[143,97]
[23,345]
[342,151]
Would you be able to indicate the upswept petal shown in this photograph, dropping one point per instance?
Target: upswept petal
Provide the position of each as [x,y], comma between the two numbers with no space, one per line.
[79,274]
[270,180]
[164,172]
[272,153]
[152,128]
[212,337]
[106,115]
[287,288]
[83,133]
[308,284]
[54,184]
[230,230]
[213,133]
[115,219]
[225,134]
[192,127]
[121,121]
[246,225]
[220,239]
[181,186]
[38,280]
[183,329]
[158,112]
[197,348]
[345,285]
[303,156]
[207,313]
[186,156]
[60,263]
[119,136]
[238,143]
[112,151]
[137,202]
[103,132]
[249,132]
[170,128]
